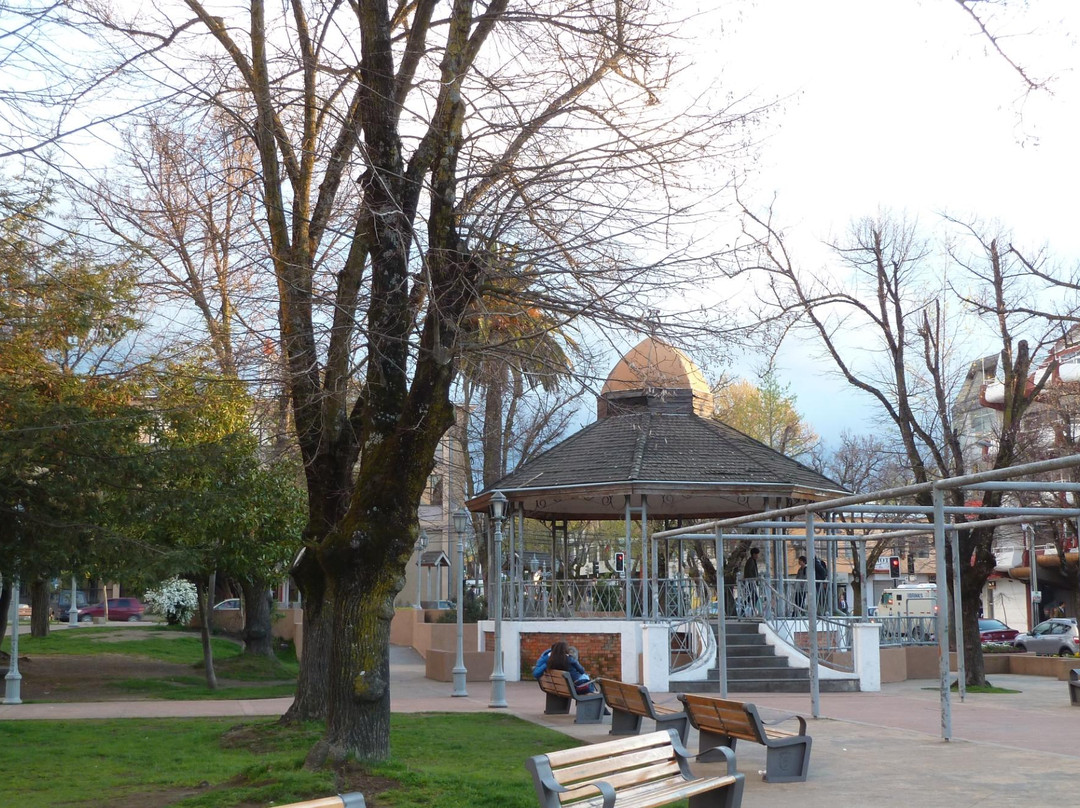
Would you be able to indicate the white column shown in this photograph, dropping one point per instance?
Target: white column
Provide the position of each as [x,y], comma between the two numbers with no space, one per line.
[866,645]
[655,656]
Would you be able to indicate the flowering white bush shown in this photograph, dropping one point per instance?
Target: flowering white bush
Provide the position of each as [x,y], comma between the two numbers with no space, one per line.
[176,599]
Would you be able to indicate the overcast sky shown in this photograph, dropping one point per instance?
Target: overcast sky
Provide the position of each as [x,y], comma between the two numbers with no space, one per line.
[900,104]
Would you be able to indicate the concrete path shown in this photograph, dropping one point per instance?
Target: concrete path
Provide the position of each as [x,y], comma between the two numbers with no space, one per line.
[868,748]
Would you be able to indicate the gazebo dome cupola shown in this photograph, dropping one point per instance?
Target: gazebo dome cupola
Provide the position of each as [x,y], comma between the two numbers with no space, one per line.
[658,377]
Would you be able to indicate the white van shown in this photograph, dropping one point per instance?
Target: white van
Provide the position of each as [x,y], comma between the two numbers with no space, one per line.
[914,600]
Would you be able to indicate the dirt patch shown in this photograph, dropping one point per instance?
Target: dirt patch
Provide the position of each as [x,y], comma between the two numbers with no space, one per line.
[89,678]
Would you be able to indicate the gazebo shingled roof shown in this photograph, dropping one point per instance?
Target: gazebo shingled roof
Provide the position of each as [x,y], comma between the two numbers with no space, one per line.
[650,440]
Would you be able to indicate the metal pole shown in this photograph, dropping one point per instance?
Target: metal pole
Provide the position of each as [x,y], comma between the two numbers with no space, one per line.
[459,673]
[13,680]
[73,610]
[721,615]
[958,618]
[498,678]
[867,584]
[942,627]
[1035,597]
[811,613]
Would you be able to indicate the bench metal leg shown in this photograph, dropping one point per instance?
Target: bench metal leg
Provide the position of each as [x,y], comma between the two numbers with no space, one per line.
[1074,694]
[727,797]
[788,761]
[680,722]
[624,723]
[707,740]
[556,705]
[590,709]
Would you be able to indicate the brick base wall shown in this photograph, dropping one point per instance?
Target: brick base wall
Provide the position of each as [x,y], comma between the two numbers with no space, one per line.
[599,654]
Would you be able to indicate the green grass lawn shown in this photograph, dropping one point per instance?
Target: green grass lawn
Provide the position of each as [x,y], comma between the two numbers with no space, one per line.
[239,676]
[156,642]
[442,760]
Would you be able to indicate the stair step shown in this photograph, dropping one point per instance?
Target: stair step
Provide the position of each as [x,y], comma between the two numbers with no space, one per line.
[767,686]
[757,662]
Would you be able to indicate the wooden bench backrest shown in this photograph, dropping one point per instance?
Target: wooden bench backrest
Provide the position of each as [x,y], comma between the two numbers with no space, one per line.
[634,761]
[721,716]
[631,698]
[556,682]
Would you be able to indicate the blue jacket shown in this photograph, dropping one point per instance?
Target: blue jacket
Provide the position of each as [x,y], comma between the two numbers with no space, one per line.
[577,673]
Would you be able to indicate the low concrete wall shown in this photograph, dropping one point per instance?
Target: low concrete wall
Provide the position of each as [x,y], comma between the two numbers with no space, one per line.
[439,665]
[921,662]
[416,628]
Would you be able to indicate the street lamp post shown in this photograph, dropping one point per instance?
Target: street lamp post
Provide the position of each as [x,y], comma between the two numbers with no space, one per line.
[498,678]
[421,545]
[73,605]
[461,521]
[13,680]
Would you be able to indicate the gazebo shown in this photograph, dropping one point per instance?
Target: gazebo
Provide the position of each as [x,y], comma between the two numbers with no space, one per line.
[654,453]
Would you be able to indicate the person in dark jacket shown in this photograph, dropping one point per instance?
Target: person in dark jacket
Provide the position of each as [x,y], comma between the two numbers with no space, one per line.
[558,658]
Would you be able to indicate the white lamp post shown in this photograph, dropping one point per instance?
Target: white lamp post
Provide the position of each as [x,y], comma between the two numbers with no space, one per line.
[461,521]
[421,545]
[13,680]
[498,678]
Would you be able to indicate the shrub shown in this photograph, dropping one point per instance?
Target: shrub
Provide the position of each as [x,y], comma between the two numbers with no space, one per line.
[176,599]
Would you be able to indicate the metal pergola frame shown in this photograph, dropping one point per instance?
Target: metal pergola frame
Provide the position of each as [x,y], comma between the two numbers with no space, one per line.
[787,519]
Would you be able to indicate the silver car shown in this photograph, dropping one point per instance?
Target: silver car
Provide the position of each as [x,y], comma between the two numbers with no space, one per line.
[1055,636]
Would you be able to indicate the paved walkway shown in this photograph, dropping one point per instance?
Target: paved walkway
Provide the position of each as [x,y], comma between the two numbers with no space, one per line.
[868,747]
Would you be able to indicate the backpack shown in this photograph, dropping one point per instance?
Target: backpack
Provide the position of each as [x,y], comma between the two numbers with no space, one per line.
[821,569]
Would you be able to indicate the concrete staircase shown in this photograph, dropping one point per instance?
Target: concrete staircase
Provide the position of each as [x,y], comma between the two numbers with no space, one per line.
[754,667]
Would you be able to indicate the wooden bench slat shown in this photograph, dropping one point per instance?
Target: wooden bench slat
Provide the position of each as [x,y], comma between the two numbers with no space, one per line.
[644,771]
[631,703]
[722,721]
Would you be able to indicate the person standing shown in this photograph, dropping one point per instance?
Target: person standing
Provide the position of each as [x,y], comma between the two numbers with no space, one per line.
[800,587]
[750,581]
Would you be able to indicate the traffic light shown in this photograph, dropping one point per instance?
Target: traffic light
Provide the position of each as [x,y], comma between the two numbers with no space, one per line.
[894,566]
[620,562]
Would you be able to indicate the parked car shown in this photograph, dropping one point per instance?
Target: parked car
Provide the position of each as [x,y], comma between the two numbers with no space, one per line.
[1059,635]
[58,609]
[129,609]
[227,605]
[995,631]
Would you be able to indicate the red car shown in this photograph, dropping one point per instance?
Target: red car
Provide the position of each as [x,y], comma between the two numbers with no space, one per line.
[130,609]
[996,631]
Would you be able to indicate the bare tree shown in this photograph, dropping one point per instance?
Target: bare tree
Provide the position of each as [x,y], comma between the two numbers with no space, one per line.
[894,301]
[400,146]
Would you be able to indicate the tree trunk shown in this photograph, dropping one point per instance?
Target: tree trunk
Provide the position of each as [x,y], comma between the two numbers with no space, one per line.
[206,611]
[258,634]
[39,604]
[359,723]
[312,685]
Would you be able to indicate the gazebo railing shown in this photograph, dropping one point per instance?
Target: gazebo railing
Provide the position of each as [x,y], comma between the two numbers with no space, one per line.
[588,598]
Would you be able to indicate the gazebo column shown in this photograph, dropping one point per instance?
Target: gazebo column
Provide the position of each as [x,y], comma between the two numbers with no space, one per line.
[628,521]
[521,562]
[511,601]
[645,567]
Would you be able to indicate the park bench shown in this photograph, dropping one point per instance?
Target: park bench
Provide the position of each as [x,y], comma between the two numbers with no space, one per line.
[1074,687]
[631,703]
[639,772]
[354,800]
[560,691]
[721,723]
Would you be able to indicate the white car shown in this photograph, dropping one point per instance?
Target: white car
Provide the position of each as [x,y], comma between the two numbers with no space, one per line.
[1057,635]
[227,605]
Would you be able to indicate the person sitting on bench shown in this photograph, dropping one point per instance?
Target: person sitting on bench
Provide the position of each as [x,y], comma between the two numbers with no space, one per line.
[559,658]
